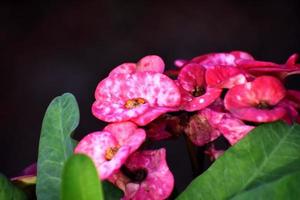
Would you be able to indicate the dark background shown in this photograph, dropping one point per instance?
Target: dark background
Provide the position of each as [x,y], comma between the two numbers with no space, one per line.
[51,48]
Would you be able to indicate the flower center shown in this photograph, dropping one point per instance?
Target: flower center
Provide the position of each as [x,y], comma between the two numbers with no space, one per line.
[136,176]
[264,105]
[198,91]
[111,152]
[132,103]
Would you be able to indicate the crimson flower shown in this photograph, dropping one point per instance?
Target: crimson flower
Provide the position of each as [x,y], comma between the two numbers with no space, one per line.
[222,59]
[281,71]
[257,101]
[145,176]
[110,148]
[196,95]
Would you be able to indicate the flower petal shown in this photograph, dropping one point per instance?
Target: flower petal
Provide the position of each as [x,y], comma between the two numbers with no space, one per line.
[215,59]
[190,76]
[127,133]
[152,114]
[243,100]
[113,92]
[151,63]
[95,145]
[191,103]
[200,131]
[224,77]
[125,68]
[233,129]
[159,182]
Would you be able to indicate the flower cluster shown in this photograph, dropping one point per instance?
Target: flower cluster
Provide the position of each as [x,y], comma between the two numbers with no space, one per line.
[210,96]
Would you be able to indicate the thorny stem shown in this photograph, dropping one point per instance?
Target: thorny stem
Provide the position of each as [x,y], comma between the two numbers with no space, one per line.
[192,151]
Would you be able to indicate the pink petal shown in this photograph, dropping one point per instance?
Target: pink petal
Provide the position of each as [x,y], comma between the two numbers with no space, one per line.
[190,76]
[233,129]
[159,182]
[113,92]
[116,112]
[180,62]
[95,145]
[152,114]
[127,133]
[241,55]
[151,63]
[259,68]
[222,59]
[292,60]
[29,172]
[258,115]
[224,77]
[190,103]
[215,59]
[125,68]
[203,127]
[291,111]
[200,131]
[242,100]
[294,95]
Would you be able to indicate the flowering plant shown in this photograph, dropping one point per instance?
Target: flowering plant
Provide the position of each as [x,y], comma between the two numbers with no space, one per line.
[212,99]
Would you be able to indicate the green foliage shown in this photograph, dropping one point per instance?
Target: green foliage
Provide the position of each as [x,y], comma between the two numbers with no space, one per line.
[264,165]
[56,145]
[10,192]
[111,192]
[80,180]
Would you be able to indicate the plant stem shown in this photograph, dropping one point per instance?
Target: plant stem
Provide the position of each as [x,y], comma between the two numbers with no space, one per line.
[192,151]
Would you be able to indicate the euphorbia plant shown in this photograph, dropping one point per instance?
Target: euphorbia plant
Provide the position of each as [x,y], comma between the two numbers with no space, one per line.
[212,96]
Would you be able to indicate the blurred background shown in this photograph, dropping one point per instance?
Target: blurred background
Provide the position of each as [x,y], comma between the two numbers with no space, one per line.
[52,47]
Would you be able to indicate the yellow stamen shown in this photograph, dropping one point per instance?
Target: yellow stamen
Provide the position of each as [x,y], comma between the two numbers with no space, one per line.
[132,103]
[111,152]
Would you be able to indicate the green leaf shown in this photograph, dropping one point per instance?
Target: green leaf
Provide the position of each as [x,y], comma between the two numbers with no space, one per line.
[10,192]
[56,145]
[111,192]
[264,165]
[80,180]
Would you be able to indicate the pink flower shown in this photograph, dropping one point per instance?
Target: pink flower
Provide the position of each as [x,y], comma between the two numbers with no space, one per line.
[208,124]
[139,97]
[146,176]
[151,63]
[110,148]
[222,59]
[256,101]
[196,95]
[258,68]
[202,128]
